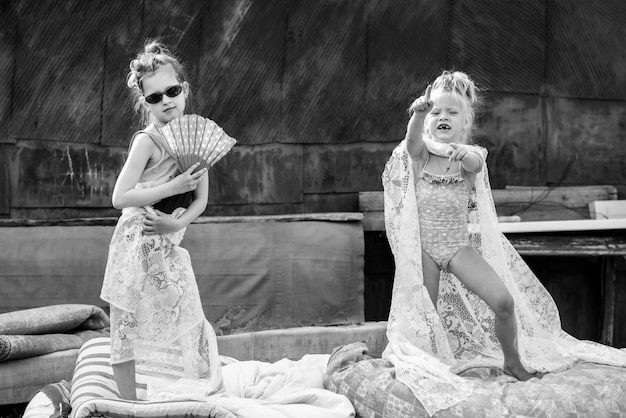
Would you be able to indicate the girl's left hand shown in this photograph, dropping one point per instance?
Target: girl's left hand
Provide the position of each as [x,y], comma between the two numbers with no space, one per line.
[462,154]
[159,223]
[459,152]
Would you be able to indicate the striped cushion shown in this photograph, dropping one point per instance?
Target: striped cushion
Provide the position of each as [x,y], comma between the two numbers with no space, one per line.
[95,393]
[93,375]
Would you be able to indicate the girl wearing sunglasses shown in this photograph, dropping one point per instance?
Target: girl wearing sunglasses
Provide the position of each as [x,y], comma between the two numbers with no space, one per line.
[158,327]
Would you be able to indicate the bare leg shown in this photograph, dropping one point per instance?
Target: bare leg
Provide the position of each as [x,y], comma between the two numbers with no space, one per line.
[478,276]
[431,277]
[124,374]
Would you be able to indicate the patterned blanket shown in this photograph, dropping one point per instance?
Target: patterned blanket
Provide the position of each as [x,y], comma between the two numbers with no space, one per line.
[586,390]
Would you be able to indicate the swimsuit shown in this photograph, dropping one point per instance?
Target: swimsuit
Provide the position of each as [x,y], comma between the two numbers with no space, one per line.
[442,202]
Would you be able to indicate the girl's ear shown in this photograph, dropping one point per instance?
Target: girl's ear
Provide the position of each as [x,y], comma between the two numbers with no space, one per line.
[186,89]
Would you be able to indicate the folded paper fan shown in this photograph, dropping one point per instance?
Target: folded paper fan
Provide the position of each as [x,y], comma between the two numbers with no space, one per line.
[193,138]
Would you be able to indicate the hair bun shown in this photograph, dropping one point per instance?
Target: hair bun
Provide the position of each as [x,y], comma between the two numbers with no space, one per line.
[459,83]
[156,48]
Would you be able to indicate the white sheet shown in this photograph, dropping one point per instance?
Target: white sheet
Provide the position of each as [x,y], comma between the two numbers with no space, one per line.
[255,389]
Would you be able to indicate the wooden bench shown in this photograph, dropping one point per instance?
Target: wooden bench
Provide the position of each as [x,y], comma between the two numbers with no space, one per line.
[551,221]
[527,203]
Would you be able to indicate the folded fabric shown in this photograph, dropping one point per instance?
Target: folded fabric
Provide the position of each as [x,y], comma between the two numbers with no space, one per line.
[13,347]
[53,319]
[345,356]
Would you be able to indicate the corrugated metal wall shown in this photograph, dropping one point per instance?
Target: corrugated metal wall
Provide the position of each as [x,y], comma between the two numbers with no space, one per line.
[315,91]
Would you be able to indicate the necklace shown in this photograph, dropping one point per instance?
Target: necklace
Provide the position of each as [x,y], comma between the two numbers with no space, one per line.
[441,166]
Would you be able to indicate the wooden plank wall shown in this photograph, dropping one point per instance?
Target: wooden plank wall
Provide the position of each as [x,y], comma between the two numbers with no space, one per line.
[315,92]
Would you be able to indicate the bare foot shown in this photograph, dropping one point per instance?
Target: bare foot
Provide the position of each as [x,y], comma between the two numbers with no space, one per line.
[519,372]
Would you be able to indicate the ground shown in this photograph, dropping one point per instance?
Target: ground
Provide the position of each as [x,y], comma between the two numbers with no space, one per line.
[12,411]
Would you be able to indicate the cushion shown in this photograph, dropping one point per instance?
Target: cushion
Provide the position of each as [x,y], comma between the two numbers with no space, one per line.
[21,379]
[53,319]
[15,347]
[587,389]
[39,346]
[95,393]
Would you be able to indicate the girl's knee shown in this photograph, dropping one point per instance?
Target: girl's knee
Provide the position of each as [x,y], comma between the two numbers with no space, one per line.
[503,304]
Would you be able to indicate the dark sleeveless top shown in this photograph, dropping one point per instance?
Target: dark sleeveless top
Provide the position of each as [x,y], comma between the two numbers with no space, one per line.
[162,171]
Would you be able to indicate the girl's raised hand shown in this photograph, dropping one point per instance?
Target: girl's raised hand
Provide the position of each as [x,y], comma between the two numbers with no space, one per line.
[188,181]
[423,104]
[414,127]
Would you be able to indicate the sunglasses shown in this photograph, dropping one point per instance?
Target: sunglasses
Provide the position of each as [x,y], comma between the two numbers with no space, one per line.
[173,91]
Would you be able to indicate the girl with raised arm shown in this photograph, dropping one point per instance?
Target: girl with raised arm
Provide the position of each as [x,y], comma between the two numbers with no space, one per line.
[462,295]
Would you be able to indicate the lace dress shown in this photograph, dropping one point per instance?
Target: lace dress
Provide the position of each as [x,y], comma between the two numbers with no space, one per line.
[156,313]
[428,345]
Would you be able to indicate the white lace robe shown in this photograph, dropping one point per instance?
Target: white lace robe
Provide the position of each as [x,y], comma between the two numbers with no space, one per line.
[429,346]
[157,318]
